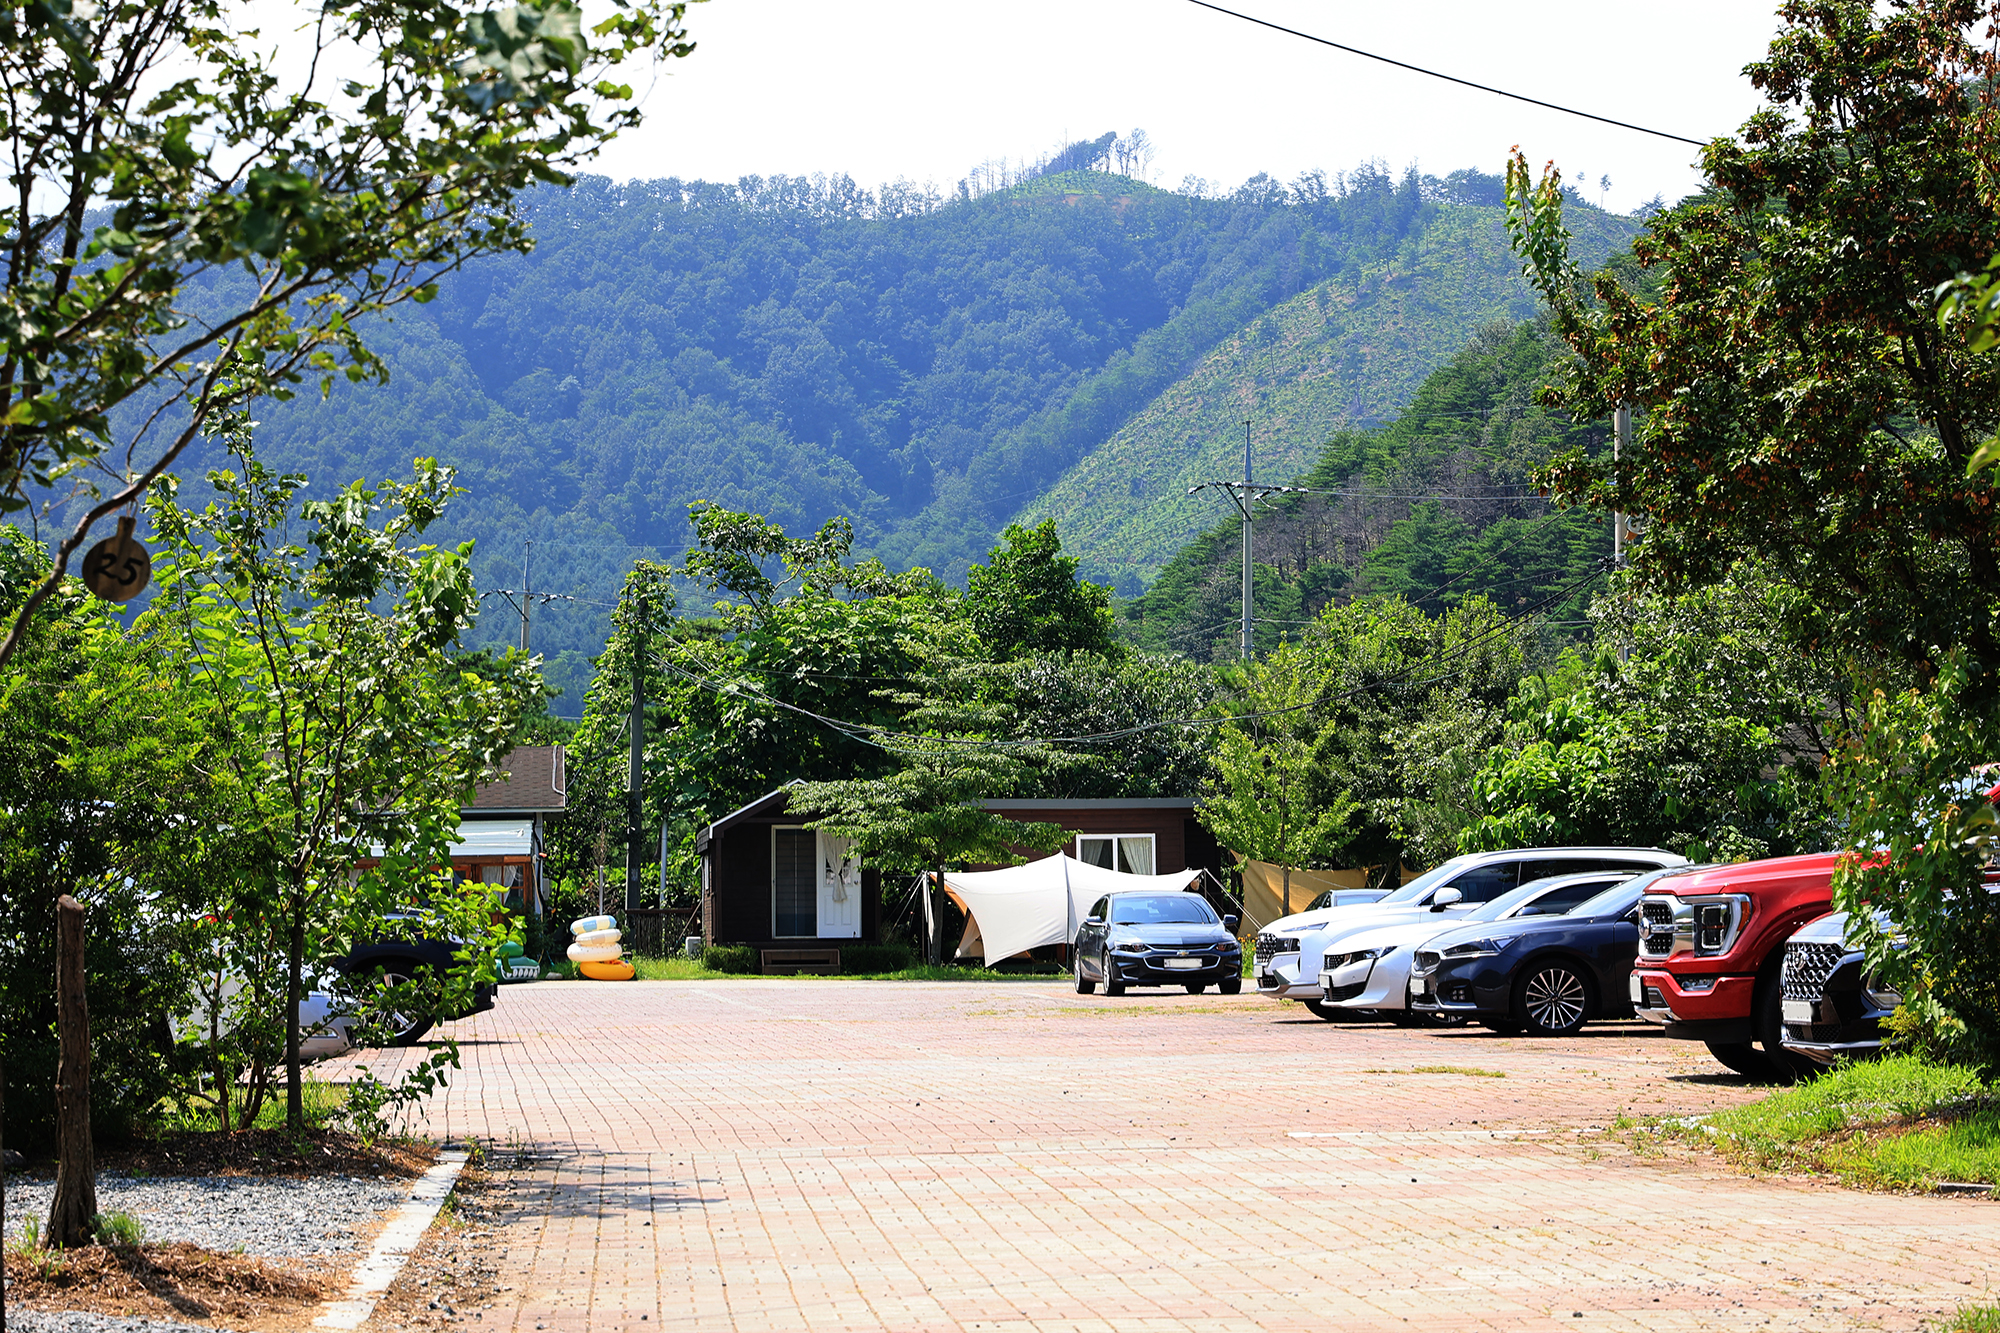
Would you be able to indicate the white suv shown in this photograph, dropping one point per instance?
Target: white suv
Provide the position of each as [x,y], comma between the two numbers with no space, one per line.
[1289,949]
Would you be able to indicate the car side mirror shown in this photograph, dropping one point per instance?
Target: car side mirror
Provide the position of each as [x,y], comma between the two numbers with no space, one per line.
[1229,923]
[1445,897]
[1093,921]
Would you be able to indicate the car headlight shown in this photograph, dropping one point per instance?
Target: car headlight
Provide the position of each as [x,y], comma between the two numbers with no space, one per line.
[1130,946]
[1473,949]
[1879,995]
[1358,956]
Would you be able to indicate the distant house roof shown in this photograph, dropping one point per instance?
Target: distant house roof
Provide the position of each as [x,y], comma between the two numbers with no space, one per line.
[531,782]
[771,803]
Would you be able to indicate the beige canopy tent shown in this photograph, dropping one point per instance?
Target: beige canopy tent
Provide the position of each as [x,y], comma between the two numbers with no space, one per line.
[1264,890]
[1024,907]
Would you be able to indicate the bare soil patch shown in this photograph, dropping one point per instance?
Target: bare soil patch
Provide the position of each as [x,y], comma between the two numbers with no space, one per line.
[454,1275]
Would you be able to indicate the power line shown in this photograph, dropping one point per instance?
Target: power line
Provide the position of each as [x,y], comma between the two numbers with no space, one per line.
[1448,78]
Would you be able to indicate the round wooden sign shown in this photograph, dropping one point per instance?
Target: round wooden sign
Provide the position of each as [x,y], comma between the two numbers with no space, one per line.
[118,568]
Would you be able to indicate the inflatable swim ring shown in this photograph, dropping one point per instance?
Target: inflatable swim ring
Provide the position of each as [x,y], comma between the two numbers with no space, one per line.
[588,923]
[606,971]
[593,953]
[592,938]
[509,949]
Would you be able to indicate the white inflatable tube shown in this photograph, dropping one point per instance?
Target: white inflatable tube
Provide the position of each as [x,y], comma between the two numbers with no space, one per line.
[598,953]
[585,924]
[590,939]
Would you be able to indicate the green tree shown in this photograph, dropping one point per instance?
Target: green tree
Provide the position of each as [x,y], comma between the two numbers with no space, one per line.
[1913,789]
[1798,402]
[259,213]
[1698,723]
[1266,799]
[119,793]
[1027,599]
[1150,710]
[355,731]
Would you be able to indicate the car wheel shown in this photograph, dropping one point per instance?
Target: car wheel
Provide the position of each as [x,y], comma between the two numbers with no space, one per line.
[1552,1000]
[398,1027]
[1741,1057]
[1113,983]
[1084,985]
[1506,1027]
[1769,1024]
[1196,987]
[1230,985]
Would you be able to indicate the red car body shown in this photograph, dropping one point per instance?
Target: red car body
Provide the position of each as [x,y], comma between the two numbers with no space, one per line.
[1711,942]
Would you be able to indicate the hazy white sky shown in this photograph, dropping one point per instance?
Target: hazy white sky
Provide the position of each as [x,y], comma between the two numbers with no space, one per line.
[922,89]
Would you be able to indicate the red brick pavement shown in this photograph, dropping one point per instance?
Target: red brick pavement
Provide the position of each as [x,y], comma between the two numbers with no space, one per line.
[824,1154]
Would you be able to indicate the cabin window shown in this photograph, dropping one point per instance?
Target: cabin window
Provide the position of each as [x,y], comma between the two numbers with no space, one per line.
[794,883]
[1131,853]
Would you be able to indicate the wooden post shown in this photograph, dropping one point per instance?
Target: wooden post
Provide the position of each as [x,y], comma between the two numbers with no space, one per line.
[75,1201]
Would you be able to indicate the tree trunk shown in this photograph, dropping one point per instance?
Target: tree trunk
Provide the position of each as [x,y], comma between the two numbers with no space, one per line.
[295,965]
[75,1201]
[1288,889]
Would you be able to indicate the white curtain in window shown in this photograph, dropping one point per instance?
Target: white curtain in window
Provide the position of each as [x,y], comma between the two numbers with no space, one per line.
[1135,856]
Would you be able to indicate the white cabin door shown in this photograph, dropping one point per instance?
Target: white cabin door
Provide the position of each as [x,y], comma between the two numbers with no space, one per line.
[839,889]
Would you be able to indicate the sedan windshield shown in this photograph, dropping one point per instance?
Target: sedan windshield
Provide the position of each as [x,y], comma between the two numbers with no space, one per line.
[1167,907]
[1622,898]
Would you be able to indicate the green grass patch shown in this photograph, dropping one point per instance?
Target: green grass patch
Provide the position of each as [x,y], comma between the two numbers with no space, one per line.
[1971,1319]
[1896,1123]
[1469,1071]
[689,969]
[673,969]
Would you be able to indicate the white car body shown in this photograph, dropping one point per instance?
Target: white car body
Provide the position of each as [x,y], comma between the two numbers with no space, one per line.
[326,1025]
[1291,970]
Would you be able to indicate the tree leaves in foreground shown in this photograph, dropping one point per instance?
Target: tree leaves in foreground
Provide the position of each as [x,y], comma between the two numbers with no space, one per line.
[354,731]
[1705,739]
[297,201]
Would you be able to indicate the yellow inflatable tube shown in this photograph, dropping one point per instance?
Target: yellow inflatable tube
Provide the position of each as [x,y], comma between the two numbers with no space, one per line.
[618,971]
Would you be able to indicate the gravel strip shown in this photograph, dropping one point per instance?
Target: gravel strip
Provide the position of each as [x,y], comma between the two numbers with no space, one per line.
[76,1321]
[272,1217]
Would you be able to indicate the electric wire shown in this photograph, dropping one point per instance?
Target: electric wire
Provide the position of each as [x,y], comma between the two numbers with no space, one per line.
[1448,78]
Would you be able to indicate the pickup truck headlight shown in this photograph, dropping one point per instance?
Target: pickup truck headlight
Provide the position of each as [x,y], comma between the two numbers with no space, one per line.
[1473,949]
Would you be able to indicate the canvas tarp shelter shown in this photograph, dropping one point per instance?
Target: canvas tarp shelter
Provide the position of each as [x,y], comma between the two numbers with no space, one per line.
[1264,890]
[1043,902]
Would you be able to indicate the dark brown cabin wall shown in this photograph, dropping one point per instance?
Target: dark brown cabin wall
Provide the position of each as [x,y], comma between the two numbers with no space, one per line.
[743,897]
[871,906]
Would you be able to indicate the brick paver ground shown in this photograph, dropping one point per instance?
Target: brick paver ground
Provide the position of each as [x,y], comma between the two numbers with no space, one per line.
[824,1154]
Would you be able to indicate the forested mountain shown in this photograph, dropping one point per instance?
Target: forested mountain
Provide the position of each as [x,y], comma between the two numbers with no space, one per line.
[1436,506]
[929,368]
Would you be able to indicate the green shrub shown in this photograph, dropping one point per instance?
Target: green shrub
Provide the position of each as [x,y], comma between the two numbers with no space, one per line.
[875,958]
[117,1229]
[741,959]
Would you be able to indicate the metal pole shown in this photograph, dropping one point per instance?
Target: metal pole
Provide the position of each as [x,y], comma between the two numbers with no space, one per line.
[1621,440]
[635,775]
[527,551]
[1246,539]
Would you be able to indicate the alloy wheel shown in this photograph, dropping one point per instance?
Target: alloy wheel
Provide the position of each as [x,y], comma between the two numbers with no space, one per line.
[1554,1000]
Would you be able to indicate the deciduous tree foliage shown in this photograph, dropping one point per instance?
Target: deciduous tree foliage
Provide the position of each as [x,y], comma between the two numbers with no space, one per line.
[1799,403]
[354,730]
[1706,739]
[259,211]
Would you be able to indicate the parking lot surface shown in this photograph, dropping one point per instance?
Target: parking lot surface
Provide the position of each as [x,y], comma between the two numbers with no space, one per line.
[821,1154]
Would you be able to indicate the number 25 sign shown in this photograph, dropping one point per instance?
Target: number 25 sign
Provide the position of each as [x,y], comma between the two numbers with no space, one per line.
[118,568]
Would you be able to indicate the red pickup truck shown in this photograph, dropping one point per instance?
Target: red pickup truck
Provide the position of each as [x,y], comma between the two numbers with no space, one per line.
[1711,946]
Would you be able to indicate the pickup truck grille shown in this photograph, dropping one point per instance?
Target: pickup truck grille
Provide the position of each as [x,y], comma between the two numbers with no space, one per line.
[1270,946]
[1807,966]
[1657,929]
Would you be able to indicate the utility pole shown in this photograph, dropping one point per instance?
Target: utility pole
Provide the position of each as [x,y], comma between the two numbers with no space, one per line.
[1245,495]
[1621,440]
[635,775]
[1247,527]
[527,552]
